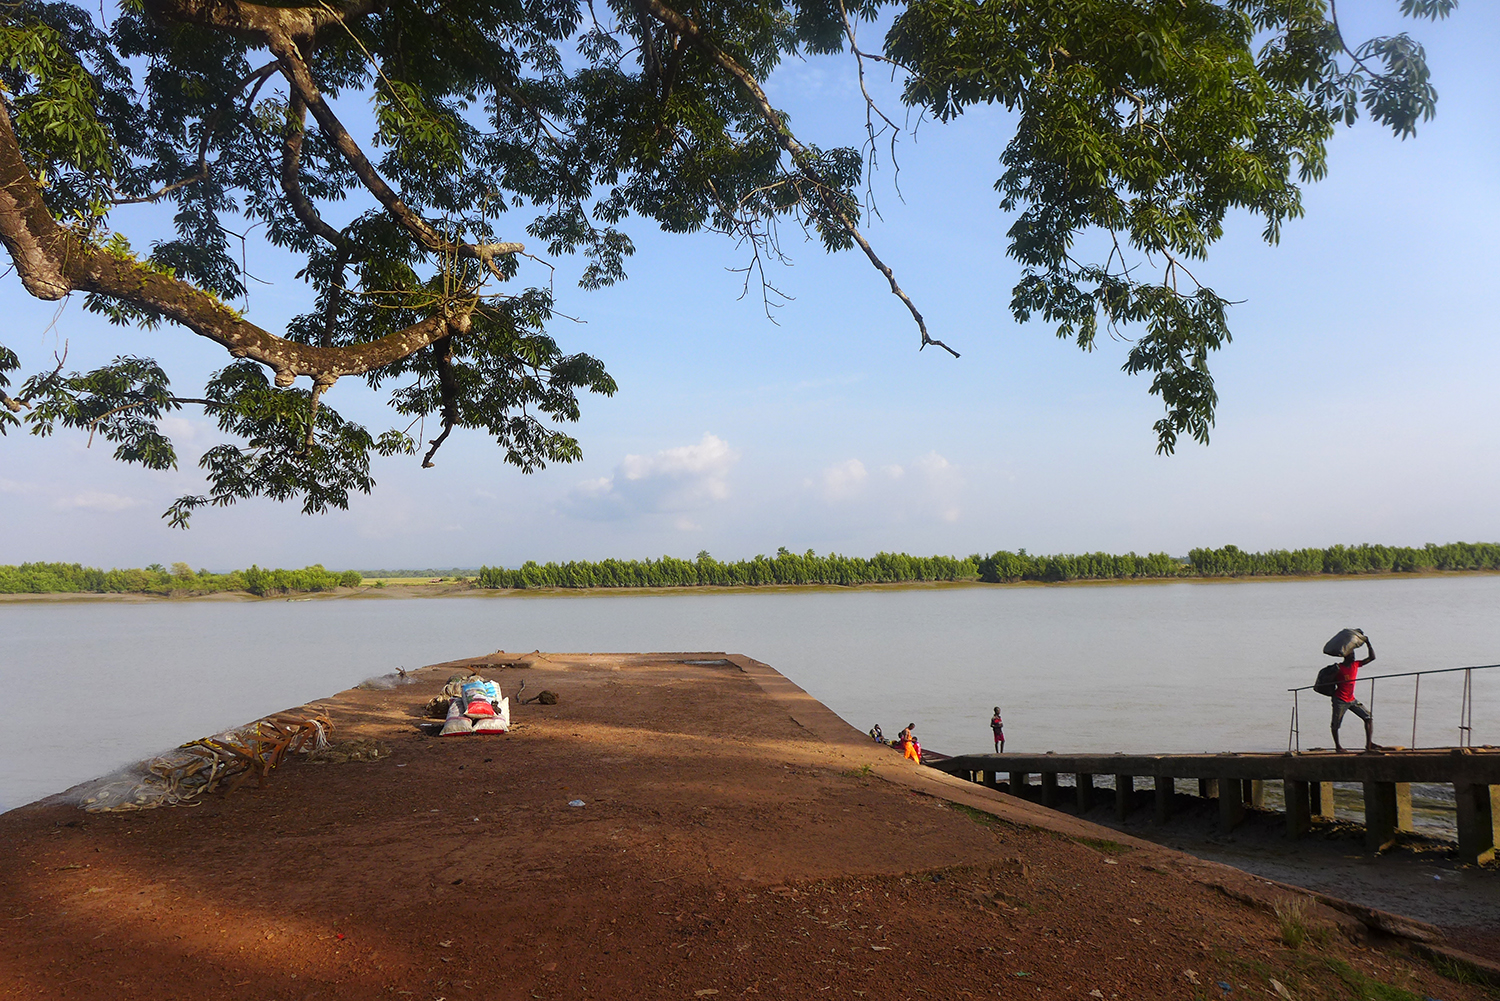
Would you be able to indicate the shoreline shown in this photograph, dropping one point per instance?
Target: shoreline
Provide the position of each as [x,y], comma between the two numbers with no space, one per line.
[454,590]
[677,825]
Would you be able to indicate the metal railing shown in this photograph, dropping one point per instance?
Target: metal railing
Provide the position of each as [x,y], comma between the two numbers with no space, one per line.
[1465,709]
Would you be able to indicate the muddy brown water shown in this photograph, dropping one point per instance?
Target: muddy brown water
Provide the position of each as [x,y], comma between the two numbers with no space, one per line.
[91,685]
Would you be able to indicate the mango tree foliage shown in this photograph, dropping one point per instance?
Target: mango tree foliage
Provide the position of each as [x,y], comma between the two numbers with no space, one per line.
[505,129]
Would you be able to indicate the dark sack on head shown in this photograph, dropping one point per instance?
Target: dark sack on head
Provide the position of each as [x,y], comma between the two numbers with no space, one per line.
[1328,681]
[1345,643]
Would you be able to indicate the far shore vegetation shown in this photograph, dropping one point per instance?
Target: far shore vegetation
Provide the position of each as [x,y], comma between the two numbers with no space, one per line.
[71,578]
[784,569]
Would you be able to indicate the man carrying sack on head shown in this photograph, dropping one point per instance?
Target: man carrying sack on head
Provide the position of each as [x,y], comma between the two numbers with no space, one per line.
[1343,696]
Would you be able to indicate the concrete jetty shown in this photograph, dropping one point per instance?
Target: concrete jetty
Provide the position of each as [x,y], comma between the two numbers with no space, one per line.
[1237,781]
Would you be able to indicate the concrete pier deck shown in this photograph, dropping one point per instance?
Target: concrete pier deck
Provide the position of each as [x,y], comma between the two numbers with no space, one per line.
[1237,782]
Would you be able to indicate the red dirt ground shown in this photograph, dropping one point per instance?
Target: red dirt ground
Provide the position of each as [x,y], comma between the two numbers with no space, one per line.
[737,840]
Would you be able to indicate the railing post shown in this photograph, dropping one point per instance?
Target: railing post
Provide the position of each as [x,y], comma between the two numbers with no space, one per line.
[1466,712]
[1416,696]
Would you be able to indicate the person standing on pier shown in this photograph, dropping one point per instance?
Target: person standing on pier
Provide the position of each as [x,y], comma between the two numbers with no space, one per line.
[997,729]
[909,746]
[1345,702]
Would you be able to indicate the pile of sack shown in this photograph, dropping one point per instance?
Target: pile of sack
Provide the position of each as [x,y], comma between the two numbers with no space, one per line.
[475,705]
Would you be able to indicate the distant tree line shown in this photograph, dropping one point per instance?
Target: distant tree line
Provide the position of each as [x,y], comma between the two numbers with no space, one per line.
[785,568]
[1000,567]
[71,578]
[1231,561]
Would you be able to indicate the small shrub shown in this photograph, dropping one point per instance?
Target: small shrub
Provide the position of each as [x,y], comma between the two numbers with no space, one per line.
[1291,916]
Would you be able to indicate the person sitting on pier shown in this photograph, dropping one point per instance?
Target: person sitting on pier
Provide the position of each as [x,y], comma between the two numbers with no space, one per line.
[997,729]
[1345,702]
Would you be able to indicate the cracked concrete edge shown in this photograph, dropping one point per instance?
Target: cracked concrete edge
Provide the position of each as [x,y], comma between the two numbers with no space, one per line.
[860,751]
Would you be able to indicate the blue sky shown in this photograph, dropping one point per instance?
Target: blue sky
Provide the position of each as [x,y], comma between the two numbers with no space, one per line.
[1358,399]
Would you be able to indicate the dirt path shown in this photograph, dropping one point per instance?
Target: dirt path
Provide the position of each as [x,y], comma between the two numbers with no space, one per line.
[737,839]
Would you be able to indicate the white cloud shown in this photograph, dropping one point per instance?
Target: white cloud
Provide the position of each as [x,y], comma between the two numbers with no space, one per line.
[96,500]
[942,485]
[16,487]
[189,431]
[842,480]
[926,488]
[685,478]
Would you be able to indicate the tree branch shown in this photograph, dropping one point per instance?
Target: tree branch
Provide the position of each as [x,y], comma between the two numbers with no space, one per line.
[53,261]
[291,182]
[800,155]
[294,68]
[201,174]
[448,387]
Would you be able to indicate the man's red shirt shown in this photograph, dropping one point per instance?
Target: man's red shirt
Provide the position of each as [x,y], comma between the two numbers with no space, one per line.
[1347,673]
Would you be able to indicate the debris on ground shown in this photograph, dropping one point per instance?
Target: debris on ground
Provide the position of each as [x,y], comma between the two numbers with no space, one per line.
[180,777]
[360,749]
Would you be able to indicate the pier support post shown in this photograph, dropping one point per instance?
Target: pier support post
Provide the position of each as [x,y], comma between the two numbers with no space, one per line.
[1208,788]
[1019,784]
[1085,785]
[1478,810]
[1257,795]
[1322,801]
[1298,807]
[1380,815]
[1165,786]
[1403,808]
[1049,790]
[1231,804]
[991,779]
[1124,796]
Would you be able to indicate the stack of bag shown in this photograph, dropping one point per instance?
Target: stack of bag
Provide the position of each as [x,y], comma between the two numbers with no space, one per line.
[475,706]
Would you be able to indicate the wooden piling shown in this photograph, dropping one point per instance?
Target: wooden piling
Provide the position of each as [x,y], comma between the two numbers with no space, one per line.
[1085,783]
[1231,804]
[1322,800]
[1124,796]
[1298,796]
[1478,811]
[1165,786]
[1049,790]
[1380,815]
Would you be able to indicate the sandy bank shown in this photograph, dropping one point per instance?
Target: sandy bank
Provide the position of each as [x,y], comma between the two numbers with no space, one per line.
[738,839]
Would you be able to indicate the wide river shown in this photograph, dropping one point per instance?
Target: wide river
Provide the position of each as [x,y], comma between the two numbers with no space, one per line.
[88,686]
